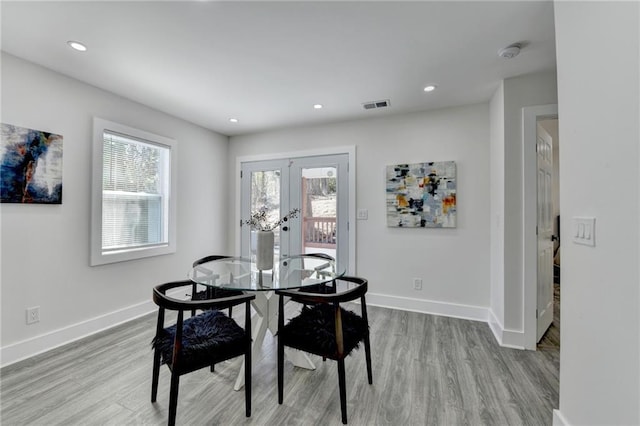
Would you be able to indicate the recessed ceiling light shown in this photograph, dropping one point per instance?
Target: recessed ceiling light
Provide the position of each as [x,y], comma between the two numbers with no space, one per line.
[233,120]
[318,106]
[77,46]
[430,88]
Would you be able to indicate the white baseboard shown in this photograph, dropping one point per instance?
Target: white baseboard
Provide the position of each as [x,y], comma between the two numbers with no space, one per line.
[506,338]
[558,419]
[453,310]
[36,345]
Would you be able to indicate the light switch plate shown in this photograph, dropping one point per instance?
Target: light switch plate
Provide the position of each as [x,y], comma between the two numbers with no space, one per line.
[363,214]
[584,231]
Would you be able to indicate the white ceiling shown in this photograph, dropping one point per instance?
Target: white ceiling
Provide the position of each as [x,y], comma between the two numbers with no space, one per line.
[267,63]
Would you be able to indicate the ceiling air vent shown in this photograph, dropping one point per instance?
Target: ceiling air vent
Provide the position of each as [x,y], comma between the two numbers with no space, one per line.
[376,104]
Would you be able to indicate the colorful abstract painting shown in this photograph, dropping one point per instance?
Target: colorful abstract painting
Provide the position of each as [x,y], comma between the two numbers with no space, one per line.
[30,166]
[421,195]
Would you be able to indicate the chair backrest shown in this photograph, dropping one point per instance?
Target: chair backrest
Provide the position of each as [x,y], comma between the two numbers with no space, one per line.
[208,259]
[321,255]
[167,302]
[348,295]
[325,257]
[320,269]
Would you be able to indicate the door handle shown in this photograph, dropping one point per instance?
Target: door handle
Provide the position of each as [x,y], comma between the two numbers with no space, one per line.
[554,238]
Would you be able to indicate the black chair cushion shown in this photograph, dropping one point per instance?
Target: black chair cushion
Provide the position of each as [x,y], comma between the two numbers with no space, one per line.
[208,337]
[314,331]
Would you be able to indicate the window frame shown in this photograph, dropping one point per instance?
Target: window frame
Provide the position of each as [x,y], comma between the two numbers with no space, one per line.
[98,256]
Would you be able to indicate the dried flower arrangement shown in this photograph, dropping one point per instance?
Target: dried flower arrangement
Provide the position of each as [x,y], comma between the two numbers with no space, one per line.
[260,222]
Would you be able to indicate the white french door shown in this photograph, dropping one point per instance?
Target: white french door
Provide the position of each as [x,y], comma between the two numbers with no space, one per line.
[318,186]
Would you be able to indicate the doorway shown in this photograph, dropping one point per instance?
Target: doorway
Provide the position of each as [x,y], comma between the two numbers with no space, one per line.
[548,330]
[538,266]
[317,186]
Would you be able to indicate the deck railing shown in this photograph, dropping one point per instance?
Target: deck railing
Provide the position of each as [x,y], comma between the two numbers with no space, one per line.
[319,232]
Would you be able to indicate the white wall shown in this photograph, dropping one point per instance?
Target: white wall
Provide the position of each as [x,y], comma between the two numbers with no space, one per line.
[507,192]
[529,90]
[454,263]
[598,49]
[45,248]
[519,92]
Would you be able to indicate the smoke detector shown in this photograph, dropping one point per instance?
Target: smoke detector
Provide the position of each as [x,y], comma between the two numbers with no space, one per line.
[510,51]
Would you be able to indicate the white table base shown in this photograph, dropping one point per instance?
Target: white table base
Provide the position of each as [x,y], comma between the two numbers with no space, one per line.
[266,318]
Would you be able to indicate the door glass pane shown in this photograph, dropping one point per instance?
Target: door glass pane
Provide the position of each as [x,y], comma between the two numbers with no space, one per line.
[318,186]
[265,194]
[319,210]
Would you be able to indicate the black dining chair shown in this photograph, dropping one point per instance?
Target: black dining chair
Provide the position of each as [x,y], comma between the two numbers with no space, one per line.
[325,328]
[210,291]
[198,341]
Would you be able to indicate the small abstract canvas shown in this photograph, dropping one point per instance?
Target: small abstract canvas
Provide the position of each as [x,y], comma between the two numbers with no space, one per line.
[421,195]
[30,166]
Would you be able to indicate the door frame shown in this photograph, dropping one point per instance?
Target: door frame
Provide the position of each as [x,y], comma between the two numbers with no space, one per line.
[351,171]
[530,118]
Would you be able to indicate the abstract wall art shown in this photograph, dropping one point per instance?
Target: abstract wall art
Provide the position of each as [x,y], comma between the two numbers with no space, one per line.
[421,195]
[30,166]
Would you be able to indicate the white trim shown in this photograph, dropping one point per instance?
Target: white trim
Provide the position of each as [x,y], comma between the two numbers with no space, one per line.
[559,420]
[454,310]
[28,348]
[97,257]
[530,117]
[36,345]
[33,346]
[350,150]
[496,326]
[506,338]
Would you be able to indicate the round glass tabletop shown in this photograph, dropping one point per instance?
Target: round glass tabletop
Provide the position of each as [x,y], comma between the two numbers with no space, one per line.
[237,273]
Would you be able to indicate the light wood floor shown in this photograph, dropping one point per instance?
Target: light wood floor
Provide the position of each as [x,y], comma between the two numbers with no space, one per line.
[427,370]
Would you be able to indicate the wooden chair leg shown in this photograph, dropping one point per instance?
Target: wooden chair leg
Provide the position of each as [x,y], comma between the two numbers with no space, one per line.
[247,383]
[280,350]
[280,371]
[247,358]
[173,398]
[343,390]
[156,374]
[367,354]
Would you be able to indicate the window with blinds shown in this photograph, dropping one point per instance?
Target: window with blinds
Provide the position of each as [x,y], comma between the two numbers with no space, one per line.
[133,214]
[134,186]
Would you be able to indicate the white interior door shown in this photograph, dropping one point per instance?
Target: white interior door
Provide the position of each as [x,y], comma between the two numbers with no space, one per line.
[318,186]
[544,306]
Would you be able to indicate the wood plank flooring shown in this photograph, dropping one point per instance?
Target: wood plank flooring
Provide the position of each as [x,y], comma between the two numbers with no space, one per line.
[427,370]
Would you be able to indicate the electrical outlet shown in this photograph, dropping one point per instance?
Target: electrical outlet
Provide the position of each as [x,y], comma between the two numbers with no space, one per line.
[417,283]
[33,315]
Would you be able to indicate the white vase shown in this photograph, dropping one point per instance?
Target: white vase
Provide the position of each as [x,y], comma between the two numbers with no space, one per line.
[264,249]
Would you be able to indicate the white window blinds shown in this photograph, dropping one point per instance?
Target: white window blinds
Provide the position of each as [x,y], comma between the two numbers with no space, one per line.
[135,183]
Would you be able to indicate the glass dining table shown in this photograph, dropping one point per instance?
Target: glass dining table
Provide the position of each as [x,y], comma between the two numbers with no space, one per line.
[238,273]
